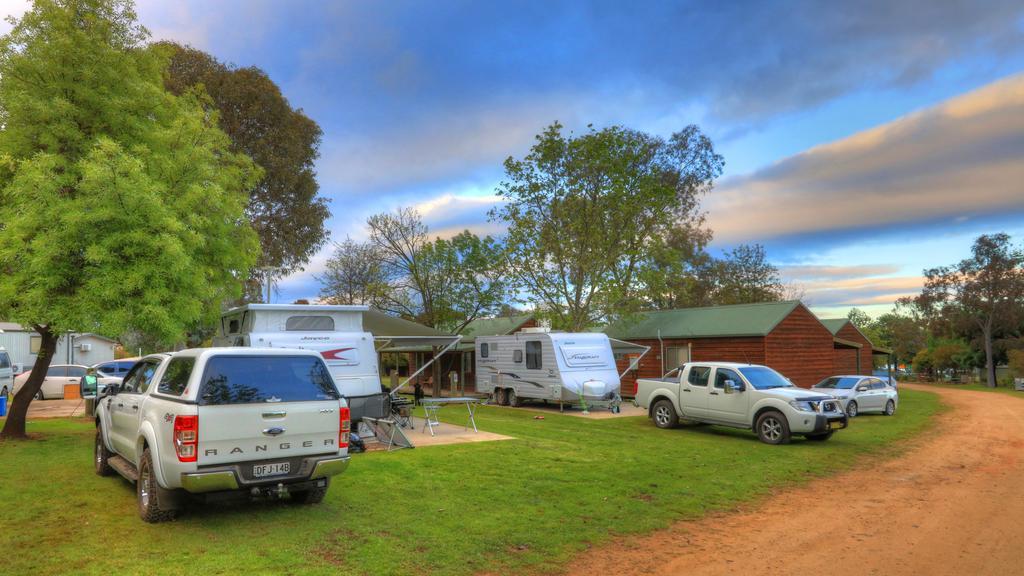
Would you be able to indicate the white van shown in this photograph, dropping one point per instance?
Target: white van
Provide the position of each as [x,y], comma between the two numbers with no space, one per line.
[534,364]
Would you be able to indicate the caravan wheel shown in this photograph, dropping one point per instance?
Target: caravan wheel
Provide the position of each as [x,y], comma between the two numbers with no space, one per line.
[499,397]
[513,398]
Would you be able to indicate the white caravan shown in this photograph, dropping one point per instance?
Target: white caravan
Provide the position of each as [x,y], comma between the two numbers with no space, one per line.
[336,332]
[534,364]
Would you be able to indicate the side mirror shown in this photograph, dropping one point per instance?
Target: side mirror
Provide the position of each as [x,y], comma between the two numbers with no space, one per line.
[862,388]
[112,390]
[731,386]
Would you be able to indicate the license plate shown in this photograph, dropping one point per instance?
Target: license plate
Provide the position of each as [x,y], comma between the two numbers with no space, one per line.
[264,470]
[837,425]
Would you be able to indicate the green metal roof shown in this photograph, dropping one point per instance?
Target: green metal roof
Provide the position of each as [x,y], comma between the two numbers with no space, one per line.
[494,326]
[834,325]
[709,322]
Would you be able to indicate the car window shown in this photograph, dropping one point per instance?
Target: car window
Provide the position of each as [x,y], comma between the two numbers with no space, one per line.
[533,355]
[699,376]
[877,384]
[175,377]
[139,378]
[722,374]
[56,371]
[257,379]
[76,371]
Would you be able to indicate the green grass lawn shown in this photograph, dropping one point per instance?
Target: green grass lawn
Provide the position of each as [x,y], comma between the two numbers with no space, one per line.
[509,507]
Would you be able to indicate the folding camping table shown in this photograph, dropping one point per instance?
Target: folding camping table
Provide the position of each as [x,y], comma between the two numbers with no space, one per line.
[431,406]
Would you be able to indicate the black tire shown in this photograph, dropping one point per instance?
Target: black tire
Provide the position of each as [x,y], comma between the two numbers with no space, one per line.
[890,408]
[314,496]
[664,414]
[513,398]
[39,395]
[101,456]
[501,396]
[852,410]
[150,495]
[4,392]
[772,428]
[820,437]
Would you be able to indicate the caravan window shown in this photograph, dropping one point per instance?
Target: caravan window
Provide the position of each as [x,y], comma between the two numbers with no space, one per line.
[309,324]
[484,350]
[533,359]
[233,326]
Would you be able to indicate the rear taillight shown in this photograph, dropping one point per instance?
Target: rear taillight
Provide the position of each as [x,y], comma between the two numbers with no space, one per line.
[344,428]
[186,437]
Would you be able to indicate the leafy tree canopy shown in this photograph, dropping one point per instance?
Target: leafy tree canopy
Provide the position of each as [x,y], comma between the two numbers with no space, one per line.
[122,206]
[284,206]
[586,214]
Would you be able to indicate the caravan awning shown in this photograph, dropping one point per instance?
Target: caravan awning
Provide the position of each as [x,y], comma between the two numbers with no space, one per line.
[623,347]
[401,333]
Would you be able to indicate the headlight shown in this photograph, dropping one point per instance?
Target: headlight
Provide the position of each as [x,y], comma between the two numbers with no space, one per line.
[802,405]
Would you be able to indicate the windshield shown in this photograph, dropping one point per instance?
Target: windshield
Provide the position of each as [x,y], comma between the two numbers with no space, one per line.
[763,378]
[840,383]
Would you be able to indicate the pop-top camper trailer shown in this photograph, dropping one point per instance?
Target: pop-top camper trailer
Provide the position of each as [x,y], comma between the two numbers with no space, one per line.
[334,331]
[563,367]
[346,336]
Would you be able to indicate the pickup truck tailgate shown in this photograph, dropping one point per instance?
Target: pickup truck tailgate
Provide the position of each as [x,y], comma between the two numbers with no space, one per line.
[243,432]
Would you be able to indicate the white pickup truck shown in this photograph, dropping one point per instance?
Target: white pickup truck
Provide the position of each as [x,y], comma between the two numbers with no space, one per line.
[223,422]
[742,396]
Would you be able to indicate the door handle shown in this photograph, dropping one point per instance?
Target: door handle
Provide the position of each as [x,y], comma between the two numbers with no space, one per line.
[135,407]
[714,393]
[120,404]
[686,389]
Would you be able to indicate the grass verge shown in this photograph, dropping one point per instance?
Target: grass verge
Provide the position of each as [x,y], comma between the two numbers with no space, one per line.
[509,507]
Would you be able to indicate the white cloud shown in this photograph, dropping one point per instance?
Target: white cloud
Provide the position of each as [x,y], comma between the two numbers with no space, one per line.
[964,156]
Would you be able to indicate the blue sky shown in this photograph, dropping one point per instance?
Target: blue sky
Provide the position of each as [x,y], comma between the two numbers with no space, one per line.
[862,143]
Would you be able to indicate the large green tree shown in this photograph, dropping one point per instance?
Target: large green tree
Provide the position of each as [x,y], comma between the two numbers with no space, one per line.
[586,214]
[981,296]
[122,205]
[284,206]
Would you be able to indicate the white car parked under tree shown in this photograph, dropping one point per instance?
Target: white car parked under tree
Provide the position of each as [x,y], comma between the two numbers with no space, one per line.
[861,394]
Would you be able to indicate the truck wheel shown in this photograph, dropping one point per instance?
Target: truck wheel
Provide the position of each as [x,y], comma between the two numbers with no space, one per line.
[39,395]
[314,496]
[852,410]
[820,437]
[150,494]
[513,398]
[772,428]
[664,414]
[890,408]
[102,455]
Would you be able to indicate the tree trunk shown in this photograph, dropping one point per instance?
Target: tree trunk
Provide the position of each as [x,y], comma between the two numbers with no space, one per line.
[15,426]
[990,364]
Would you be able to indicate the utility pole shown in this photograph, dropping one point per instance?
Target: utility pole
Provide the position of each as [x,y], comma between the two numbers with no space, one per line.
[268,274]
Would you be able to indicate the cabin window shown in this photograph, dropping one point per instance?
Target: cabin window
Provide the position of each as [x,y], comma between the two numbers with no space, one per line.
[309,324]
[233,326]
[533,360]
[517,356]
[484,350]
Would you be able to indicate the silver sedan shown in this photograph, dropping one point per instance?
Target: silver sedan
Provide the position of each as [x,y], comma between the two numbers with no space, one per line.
[861,394]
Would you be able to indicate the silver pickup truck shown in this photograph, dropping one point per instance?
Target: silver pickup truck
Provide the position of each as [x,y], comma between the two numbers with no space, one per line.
[223,422]
[742,396]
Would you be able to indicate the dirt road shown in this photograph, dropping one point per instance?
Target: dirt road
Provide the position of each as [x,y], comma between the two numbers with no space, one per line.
[954,504]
